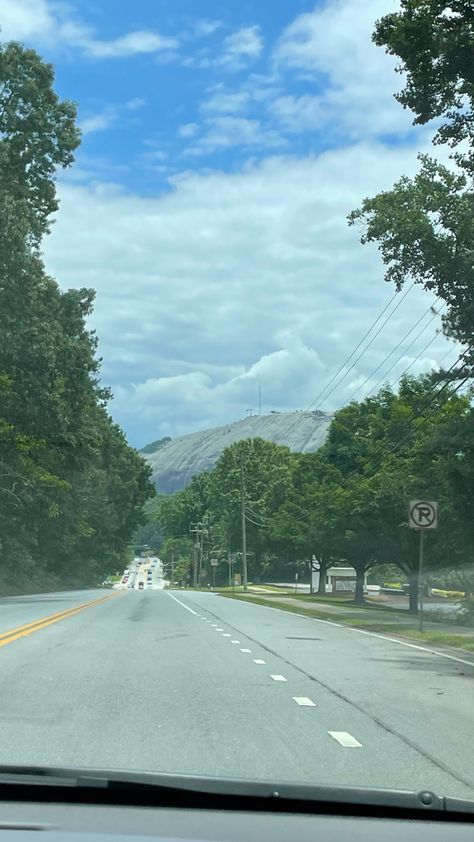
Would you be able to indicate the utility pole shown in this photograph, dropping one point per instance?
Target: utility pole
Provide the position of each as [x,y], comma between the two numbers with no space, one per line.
[196,529]
[172,567]
[201,552]
[244,530]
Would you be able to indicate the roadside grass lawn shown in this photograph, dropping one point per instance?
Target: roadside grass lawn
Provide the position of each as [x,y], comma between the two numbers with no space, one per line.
[410,632]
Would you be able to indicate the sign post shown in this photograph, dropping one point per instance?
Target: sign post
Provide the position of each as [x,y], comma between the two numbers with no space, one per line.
[423,514]
[314,572]
[214,563]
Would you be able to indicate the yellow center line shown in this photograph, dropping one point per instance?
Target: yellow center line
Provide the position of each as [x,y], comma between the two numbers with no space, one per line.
[36,625]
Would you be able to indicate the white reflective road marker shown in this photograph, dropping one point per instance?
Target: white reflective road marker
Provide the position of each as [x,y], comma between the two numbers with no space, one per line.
[235,641]
[278,677]
[182,603]
[345,739]
[245,650]
[304,701]
[226,635]
[258,661]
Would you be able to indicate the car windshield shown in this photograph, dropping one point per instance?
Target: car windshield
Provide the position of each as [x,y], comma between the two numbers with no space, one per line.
[236,372]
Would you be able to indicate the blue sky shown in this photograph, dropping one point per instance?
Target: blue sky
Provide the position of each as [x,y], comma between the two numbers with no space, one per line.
[223,146]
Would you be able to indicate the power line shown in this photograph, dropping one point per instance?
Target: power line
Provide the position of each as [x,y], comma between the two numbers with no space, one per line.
[322,395]
[260,525]
[418,357]
[255,514]
[397,346]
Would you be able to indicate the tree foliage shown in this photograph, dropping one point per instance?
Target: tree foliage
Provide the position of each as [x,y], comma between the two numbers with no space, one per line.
[71,489]
[434,41]
[347,504]
[424,226]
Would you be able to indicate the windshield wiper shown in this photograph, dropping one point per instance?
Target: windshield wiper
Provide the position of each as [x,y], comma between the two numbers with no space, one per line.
[161,789]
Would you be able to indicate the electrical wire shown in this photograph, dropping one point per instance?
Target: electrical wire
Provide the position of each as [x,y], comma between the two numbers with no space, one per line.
[397,346]
[321,395]
[418,357]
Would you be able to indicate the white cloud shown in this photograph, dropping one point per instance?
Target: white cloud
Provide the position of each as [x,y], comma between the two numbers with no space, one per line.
[228,131]
[204,27]
[109,116]
[56,25]
[130,44]
[241,48]
[188,130]
[223,102]
[352,80]
[231,279]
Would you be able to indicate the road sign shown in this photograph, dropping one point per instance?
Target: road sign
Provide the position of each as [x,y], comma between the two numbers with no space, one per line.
[423,514]
[214,562]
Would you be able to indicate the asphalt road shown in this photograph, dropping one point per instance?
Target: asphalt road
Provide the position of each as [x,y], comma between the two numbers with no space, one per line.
[196,683]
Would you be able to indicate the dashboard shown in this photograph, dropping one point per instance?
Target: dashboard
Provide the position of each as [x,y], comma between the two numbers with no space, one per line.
[21,822]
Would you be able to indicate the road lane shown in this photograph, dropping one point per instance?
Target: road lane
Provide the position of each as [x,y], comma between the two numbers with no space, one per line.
[142,682]
[425,699]
[16,611]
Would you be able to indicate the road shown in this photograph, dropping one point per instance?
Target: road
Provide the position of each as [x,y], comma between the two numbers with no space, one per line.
[196,683]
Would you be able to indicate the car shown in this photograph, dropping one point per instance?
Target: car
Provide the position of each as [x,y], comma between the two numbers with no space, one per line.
[141,585]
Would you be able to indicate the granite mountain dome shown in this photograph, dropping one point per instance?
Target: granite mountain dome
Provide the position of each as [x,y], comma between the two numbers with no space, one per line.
[175,462]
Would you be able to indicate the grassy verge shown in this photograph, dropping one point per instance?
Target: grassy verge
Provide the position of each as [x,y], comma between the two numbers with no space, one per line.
[408,632]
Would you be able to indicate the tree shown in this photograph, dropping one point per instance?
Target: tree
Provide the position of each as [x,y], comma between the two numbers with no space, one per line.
[71,489]
[301,526]
[388,450]
[434,40]
[425,226]
[265,469]
[38,134]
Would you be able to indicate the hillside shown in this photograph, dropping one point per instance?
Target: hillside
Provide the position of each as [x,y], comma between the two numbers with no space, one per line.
[175,462]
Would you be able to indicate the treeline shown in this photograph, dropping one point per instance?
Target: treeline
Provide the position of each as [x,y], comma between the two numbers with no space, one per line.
[346,503]
[71,489]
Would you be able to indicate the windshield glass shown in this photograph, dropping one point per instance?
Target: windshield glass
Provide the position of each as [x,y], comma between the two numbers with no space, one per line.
[236,361]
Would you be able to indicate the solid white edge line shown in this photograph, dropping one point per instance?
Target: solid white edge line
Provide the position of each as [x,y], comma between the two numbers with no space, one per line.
[345,739]
[369,633]
[191,610]
[304,702]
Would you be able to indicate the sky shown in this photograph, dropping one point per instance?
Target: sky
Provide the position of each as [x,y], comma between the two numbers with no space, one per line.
[223,145]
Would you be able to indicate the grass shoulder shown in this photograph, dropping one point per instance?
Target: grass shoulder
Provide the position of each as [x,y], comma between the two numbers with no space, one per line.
[410,632]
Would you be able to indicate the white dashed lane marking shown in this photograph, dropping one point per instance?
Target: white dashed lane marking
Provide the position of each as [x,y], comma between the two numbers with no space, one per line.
[235,641]
[345,739]
[245,650]
[278,677]
[219,629]
[258,661]
[226,635]
[303,701]
[213,625]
